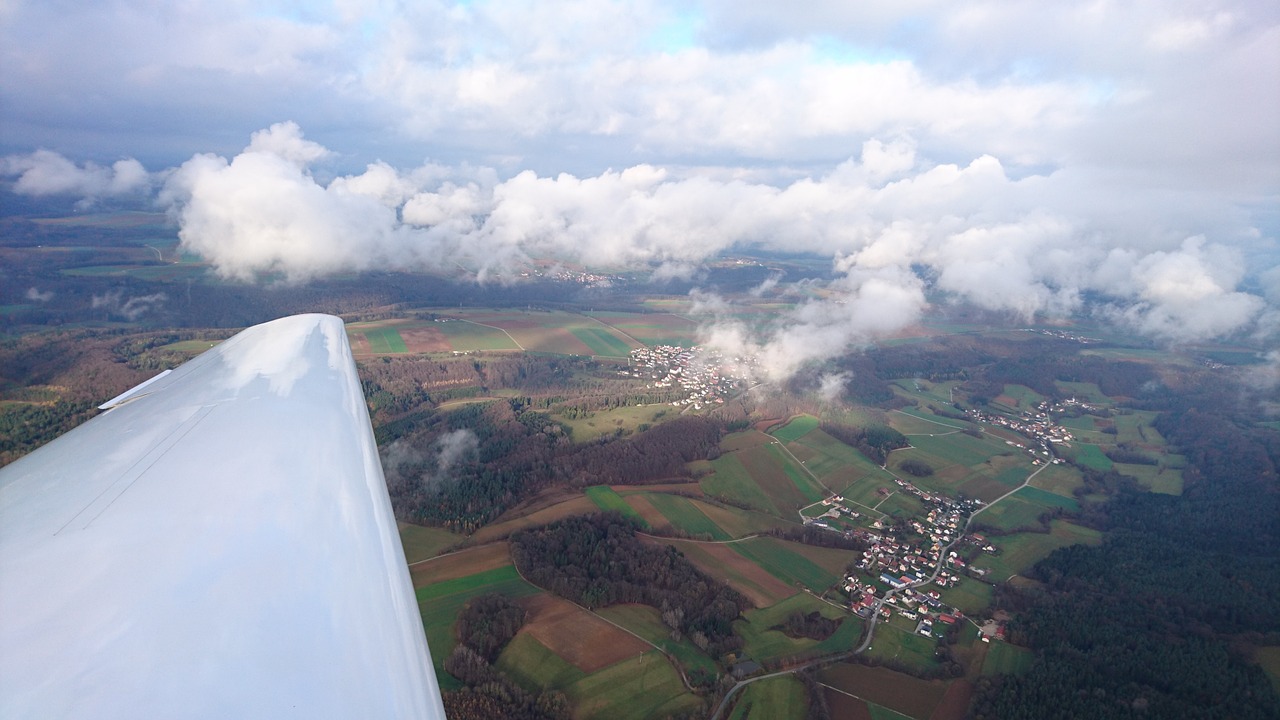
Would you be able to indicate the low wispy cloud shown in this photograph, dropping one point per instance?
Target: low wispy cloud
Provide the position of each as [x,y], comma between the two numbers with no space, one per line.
[44,173]
[131,309]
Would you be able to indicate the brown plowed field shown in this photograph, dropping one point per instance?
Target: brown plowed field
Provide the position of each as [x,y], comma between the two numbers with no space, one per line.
[460,564]
[581,638]
[844,707]
[882,686]
[680,488]
[955,703]
[720,562]
[651,515]
[580,505]
[425,339]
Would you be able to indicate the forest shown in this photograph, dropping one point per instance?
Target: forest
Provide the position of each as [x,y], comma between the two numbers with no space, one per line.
[1161,619]
[597,560]
[519,452]
[485,626]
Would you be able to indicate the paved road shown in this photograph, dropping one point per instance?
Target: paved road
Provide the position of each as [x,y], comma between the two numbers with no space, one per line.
[875,611]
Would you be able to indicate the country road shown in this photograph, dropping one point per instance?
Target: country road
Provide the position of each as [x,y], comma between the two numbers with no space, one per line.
[875,611]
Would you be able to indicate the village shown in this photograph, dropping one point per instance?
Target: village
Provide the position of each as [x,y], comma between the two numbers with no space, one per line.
[1038,425]
[903,557]
[701,373]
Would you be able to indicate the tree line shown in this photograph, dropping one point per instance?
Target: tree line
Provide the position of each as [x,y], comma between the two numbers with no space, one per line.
[597,560]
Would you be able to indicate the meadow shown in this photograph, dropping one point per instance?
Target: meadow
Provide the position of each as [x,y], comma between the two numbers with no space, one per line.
[782,698]
[1018,552]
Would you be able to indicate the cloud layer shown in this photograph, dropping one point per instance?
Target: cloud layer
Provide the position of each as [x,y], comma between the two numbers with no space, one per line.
[1111,158]
[890,220]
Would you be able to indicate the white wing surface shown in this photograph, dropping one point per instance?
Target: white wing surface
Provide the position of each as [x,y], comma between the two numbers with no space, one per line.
[218,544]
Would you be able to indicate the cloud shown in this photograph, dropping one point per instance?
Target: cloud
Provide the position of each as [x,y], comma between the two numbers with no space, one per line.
[132,309]
[408,469]
[35,295]
[44,172]
[896,225]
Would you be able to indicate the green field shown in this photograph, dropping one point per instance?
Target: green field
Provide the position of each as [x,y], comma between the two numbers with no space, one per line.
[1091,456]
[1023,396]
[831,455]
[440,603]
[959,448]
[385,340]
[606,499]
[602,342]
[421,543]
[763,477]
[534,666]
[777,698]
[893,643]
[1084,423]
[932,423]
[1020,551]
[761,642]
[970,596]
[801,480]
[799,426]
[647,622]
[1013,513]
[638,689]
[789,567]
[1156,478]
[469,337]
[627,418]
[652,328]
[732,482]
[686,516]
[1059,479]
[1088,392]
[1005,659]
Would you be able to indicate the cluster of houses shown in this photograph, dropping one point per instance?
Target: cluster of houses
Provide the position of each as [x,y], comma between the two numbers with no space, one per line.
[584,278]
[699,372]
[1063,335]
[1038,425]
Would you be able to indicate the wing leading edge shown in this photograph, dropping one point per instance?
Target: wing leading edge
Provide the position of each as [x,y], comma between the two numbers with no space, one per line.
[219,544]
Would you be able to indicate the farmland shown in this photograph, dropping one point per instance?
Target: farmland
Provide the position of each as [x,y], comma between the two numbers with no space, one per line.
[647,623]
[548,331]
[781,560]
[440,604]
[686,516]
[1020,551]
[721,562]
[763,477]
[900,693]
[606,499]
[1005,659]
[581,638]
[635,689]
[796,429]
[651,328]
[762,642]
[782,698]
[421,543]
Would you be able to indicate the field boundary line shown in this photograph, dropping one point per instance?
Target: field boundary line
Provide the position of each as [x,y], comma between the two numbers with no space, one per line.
[618,330]
[501,330]
[675,664]
[935,422]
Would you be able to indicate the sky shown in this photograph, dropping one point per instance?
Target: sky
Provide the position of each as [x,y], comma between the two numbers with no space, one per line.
[1038,159]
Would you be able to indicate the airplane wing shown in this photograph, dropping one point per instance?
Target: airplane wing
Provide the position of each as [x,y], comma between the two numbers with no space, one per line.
[217,544]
